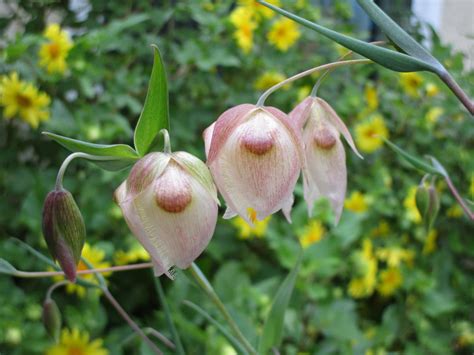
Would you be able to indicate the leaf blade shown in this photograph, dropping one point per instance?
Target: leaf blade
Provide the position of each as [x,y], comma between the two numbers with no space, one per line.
[155,113]
[7,268]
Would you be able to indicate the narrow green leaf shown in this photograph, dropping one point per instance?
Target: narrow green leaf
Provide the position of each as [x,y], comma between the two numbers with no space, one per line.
[154,116]
[124,154]
[398,35]
[235,343]
[438,166]
[414,161]
[7,268]
[388,58]
[273,328]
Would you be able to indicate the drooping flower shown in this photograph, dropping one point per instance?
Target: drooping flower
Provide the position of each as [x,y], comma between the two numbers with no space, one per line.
[268,79]
[53,54]
[23,99]
[390,281]
[357,202]
[411,82]
[325,174]
[245,231]
[370,132]
[311,234]
[283,34]
[75,342]
[255,155]
[170,204]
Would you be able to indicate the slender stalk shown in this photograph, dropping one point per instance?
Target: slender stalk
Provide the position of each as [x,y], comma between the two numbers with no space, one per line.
[458,198]
[261,100]
[54,287]
[458,91]
[169,320]
[201,280]
[167,143]
[71,157]
[150,331]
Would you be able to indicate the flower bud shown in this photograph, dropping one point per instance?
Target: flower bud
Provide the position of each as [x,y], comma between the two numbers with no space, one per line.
[51,318]
[325,172]
[427,203]
[255,155]
[63,230]
[169,202]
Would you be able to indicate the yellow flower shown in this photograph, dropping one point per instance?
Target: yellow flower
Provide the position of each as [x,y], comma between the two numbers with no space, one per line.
[394,256]
[390,280]
[303,92]
[433,114]
[357,202]
[311,234]
[95,257]
[381,230]
[455,211]
[76,343]
[134,254]
[243,20]
[364,285]
[412,212]
[23,99]
[431,89]
[245,231]
[283,34]
[369,134]
[54,53]
[430,242]
[410,83]
[371,97]
[471,187]
[268,79]
[260,9]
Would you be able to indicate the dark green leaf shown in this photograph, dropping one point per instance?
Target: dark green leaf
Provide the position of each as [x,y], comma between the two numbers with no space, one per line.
[121,155]
[273,328]
[388,58]
[154,116]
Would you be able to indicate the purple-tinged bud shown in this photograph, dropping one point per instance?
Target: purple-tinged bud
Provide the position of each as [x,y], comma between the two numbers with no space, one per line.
[64,230]
[51,318]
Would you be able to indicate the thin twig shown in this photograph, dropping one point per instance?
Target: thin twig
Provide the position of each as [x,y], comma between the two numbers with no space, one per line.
[458,198]
[457,90]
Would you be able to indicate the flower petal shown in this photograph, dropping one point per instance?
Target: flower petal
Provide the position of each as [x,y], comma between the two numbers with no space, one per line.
[207,135]
[145,171]
[301,112]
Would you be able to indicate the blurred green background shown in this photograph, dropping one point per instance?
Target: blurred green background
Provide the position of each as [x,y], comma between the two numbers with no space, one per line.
[378,283]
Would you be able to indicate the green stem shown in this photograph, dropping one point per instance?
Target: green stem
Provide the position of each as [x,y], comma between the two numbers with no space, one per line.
[457,90]
[169,320]
[205,285]
[166,138]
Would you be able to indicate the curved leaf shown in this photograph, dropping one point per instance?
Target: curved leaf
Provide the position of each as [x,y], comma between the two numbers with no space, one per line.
[388,58]
[7,268]
[154,116]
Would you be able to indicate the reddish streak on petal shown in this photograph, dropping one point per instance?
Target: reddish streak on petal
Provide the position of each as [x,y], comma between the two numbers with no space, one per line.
[257,145]
[324,138]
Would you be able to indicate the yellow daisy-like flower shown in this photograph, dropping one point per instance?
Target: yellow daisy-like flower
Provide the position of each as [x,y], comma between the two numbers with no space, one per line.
[135,254]
[455,211]
[268,79]
[411,82]
[431,89]
[75,342]
[390,281]
[371,97]
[283,34]
[430,242]
[245,231]
[260,10]
[364,285]
[382,230]
[95,257]
[311,234]
[369,134]
[433,115]
[357,202]
[243,20]
[394,256]
[53,54]
[412,212]
[23,99]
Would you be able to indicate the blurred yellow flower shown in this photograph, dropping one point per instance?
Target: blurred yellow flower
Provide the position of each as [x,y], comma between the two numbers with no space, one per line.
[54,53]
[369,133]
[364,286]
[411,82]
[455,211]
[471,187]
[76,343]
[95,257]
[245,231]
[394,256]
[268,79]
[311,234]
[260,9]
[381,230]
[431,89]
[243,20]
[134,254]
[23,99]
[412,213]
[303,93]
[371,97]
[466,334]
[389,281]
[283,34]
[357,202]
[301,4]
[430,242]
[433,114]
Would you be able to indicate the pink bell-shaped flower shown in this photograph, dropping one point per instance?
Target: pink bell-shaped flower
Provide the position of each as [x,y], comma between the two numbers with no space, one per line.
[169,202]
[255,155]
[325,174]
